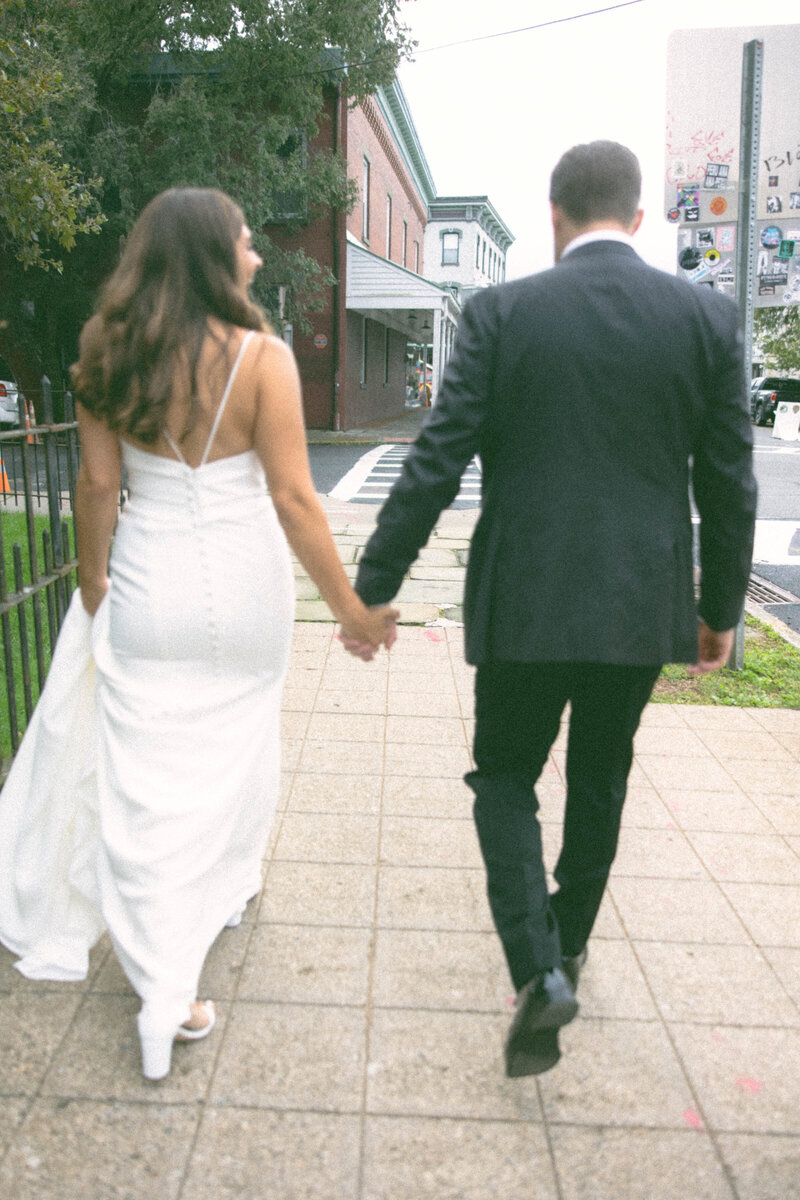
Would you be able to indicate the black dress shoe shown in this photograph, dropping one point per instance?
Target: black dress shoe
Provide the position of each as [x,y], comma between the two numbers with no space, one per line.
[572,967]
[544,1004]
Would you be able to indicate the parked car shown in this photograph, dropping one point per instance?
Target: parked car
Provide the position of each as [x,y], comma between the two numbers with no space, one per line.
[9,391]
[765,394]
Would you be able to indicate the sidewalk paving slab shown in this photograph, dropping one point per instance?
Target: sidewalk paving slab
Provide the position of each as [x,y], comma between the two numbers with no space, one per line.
[363,1000]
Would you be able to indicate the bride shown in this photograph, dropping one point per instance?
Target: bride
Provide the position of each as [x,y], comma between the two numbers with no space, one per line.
[141,798]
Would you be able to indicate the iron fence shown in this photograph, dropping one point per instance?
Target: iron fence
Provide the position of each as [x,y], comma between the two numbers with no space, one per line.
[38,469]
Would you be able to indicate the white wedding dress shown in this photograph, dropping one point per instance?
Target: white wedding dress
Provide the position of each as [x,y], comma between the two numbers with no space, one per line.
[141,798]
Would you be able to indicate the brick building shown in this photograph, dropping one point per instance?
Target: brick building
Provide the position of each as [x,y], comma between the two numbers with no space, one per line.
[384,327]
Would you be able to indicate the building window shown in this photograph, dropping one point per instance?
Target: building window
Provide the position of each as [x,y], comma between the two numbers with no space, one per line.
[478,250]
[450,243]
[365,202]
[483,258]
[386,341]
[404,245]
[290,203]
[416,257]
[388,226]
[363,379]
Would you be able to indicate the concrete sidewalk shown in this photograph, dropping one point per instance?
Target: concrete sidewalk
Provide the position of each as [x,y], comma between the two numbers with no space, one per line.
[402,429]
[363,1002]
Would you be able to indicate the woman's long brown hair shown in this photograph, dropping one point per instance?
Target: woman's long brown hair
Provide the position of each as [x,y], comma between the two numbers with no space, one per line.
[177,269]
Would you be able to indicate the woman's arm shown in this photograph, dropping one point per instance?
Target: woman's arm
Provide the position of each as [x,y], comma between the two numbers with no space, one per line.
[280,442]
[96,502]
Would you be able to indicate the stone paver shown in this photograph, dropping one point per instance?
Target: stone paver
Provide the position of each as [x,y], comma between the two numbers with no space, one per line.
[363,1000]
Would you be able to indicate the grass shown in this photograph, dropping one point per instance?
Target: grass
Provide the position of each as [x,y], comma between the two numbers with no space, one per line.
[770,677]
[15,531]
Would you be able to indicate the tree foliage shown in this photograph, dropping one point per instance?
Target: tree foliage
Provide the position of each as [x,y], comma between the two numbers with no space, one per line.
[45,202]
[777,331]
[131,96]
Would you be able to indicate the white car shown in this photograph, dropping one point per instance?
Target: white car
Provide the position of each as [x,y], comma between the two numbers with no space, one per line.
[9,391]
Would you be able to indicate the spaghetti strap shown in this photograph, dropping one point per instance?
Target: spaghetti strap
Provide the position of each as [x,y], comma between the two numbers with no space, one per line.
[225,394]
[173,445]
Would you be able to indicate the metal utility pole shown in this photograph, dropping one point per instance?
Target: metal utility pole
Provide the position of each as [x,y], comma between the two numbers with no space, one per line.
[750,142]
[746,249]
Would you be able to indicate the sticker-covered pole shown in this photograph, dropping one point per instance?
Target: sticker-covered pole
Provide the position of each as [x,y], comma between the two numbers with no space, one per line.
[749,143]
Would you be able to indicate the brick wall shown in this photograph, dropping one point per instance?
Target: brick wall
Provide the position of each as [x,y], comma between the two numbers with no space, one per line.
[368,137]
[377,399]
[323,239]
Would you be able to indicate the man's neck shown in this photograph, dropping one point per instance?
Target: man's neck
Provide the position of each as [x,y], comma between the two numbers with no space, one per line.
[566,230]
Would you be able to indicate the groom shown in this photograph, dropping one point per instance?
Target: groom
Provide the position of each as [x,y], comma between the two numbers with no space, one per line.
[592,392]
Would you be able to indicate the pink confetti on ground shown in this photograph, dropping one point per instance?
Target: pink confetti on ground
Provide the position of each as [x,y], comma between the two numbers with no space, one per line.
[692,1118]
[432,637]
[750,1085]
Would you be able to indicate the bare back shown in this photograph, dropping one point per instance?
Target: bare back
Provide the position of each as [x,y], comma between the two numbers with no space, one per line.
[220,356]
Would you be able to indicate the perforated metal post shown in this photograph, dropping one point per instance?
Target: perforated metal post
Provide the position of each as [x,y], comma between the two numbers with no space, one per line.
[746,249]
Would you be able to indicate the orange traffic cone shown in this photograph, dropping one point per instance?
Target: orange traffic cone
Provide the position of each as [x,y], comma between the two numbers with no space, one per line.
[5,486]
[32,439]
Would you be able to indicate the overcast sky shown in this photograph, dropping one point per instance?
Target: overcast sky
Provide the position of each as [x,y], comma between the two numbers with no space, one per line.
[494,116]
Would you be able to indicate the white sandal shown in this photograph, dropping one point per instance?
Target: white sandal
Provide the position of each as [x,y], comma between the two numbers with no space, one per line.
[187,1034]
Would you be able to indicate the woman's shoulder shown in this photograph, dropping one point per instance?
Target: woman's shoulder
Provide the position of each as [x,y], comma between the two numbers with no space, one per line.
[262,343]
[265,342]
[268,355]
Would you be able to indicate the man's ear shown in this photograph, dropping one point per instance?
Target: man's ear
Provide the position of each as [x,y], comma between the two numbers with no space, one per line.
[637,220]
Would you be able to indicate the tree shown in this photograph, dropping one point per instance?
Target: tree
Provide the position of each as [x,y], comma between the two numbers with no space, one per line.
[777,331]
[154,93]
[45,203]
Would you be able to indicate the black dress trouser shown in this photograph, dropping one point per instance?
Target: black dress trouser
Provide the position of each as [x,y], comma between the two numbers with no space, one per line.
[518,708]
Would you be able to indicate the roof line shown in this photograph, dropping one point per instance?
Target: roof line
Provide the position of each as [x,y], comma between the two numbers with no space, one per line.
[395,111]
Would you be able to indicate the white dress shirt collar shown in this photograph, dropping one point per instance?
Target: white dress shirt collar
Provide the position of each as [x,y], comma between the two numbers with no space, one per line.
[597,235]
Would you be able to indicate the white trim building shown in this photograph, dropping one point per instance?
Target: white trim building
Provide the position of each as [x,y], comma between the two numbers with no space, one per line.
[466,243]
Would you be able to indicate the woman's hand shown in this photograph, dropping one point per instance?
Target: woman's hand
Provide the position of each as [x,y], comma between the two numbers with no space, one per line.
[92,595]
[363,634]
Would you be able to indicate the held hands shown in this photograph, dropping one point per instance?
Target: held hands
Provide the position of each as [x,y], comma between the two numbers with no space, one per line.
[375,627]
[713,649]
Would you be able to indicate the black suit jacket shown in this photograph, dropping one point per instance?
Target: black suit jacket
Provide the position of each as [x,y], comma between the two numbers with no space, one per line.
[588,391]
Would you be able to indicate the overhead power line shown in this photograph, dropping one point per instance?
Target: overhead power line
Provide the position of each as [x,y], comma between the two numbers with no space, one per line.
[485,37]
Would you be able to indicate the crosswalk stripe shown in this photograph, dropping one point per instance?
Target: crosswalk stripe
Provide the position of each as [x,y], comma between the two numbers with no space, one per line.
[372,477]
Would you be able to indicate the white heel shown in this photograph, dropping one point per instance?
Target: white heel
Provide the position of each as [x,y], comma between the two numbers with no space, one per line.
[156,1056]
[235,920]
[157,1047]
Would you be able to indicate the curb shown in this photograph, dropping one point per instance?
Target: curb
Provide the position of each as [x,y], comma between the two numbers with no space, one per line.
[761,614]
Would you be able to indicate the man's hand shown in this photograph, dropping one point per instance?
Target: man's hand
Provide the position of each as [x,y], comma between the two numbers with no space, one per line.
[713,649]
[365,650]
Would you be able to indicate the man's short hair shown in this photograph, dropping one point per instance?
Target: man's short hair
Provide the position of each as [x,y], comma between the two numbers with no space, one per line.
[597,181]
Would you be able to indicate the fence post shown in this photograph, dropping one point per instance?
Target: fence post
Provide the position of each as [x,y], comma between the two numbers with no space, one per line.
[51,467]
[72,448]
